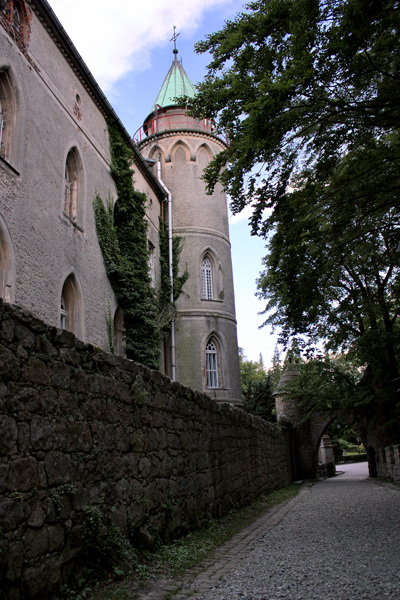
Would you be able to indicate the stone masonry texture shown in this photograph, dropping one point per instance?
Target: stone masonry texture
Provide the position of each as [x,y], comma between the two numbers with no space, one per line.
[79,427]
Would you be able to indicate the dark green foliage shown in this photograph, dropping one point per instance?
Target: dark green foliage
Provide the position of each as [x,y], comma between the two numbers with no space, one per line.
[121,229]
[105,546]
[295,83]
[167,309]
[257,388]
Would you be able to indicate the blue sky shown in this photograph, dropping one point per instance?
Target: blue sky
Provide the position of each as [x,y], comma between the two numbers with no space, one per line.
[127,48]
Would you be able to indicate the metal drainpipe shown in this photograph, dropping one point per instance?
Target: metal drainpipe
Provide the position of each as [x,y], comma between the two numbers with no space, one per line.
[171,274]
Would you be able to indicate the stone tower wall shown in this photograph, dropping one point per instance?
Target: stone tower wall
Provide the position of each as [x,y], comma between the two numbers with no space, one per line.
[202,222]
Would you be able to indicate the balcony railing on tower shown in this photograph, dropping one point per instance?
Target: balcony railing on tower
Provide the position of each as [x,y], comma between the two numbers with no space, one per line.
[163,121]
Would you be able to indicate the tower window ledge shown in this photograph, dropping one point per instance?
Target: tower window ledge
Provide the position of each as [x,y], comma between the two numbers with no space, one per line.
[212,300]
[9,165]
[74,223]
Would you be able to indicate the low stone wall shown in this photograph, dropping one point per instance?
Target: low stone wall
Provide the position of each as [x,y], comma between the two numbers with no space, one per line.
[388,462]
[80,428]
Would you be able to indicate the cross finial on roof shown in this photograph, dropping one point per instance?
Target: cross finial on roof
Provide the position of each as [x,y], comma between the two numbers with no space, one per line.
[173,39]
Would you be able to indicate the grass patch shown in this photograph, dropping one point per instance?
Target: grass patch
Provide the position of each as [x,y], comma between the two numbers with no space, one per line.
[174,559]
[187,552]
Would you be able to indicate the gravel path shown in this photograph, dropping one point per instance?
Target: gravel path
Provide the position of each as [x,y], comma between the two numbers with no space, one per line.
[339,539]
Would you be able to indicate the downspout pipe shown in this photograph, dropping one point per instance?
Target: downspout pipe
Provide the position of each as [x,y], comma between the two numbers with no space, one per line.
[171,274]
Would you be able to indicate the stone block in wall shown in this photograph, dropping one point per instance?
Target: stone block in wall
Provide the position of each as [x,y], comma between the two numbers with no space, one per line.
[36,542]
[15,560]
[41,433]
[24,336]
[123,490]
[70,356]
[60,376]
[4,470]
[8,435]
[59,468]
[72,436]
[23,475]
[40,580]
[9,364]
[7,330]
[38,515]
[45,346]
[36,371]
[12,513]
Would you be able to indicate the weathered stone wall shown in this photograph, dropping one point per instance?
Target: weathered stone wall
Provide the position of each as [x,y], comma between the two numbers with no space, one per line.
[388,462]
[79,427]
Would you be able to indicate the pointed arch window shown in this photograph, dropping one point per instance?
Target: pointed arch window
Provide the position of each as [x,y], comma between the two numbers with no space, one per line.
[7,117]
[71,185]
[6,268]
[206,278]
[211,365]
[69,306]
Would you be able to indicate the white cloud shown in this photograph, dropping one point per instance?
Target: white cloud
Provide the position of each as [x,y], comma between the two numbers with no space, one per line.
[116,38]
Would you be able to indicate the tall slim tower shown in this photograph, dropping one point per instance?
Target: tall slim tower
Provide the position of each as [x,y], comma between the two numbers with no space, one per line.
[206,349]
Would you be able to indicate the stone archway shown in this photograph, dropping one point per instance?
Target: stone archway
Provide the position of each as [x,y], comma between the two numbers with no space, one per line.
[306,433]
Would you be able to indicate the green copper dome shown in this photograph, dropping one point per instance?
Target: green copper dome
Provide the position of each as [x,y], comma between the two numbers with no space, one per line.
[176,84]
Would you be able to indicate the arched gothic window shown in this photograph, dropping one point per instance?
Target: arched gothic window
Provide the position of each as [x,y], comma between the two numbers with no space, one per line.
[206,279]
[211,365]
[6,265]
[7,116]
[71,185]
[69,305]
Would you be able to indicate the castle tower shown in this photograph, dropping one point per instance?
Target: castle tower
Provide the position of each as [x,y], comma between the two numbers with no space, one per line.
[206,349]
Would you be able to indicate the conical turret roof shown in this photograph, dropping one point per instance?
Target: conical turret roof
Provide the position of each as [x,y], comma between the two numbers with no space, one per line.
[176,84]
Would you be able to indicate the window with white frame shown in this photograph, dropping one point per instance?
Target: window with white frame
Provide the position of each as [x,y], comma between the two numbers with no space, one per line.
[211,365]
[63,313]
[206,278]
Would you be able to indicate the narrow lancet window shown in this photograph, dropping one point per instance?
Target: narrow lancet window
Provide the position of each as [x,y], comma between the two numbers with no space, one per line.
[206,276]
[211,365]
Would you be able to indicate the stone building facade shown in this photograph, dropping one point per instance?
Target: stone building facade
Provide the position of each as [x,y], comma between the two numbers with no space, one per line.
[54,158]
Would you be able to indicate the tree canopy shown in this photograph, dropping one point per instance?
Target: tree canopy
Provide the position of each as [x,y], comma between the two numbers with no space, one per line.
[257,388]
[307,93]
[295,84]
